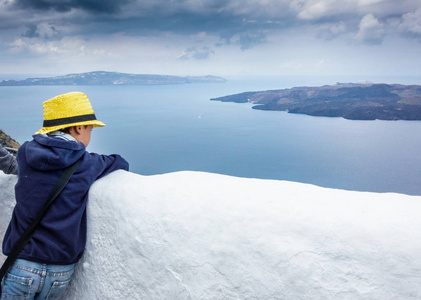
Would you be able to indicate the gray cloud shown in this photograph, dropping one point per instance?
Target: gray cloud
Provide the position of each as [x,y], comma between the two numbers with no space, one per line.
[411,23]
[128,35]
[31,31]
[95,6]
[245,23]
[371,30]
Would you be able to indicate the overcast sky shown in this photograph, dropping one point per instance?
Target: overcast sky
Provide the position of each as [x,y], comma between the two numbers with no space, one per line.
[218,37]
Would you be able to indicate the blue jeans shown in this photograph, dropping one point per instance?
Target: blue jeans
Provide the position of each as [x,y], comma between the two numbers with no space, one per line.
[34,281]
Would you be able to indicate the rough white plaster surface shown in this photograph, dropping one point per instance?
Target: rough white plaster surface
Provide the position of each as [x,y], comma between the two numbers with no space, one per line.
[193,235]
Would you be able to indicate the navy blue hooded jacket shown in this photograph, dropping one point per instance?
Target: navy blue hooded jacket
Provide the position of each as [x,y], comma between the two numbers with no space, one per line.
[60,238]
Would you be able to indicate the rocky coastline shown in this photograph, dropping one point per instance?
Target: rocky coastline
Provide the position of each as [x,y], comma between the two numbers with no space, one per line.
[7,141]
[350,101]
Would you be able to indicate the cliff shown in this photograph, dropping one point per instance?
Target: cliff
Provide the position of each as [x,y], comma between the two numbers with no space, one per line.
[350,101]
[7,141]
[112,78]
[193,235]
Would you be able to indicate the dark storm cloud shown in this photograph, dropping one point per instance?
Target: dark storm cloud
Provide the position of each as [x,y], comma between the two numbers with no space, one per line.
[149,16]
[246,23]
[95,6]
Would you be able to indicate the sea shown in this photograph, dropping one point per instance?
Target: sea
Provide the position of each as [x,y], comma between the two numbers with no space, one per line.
[170,128]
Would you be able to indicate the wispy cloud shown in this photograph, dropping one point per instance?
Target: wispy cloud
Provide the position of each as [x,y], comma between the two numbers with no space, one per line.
[194,53]
[248,41]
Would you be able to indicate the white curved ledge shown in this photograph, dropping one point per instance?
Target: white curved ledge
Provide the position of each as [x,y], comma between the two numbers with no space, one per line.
[193,235]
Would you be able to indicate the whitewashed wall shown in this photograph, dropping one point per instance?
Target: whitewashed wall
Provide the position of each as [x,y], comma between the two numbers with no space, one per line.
[192,235]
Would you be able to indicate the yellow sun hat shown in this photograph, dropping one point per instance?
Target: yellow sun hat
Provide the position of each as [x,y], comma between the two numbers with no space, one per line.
[67,110]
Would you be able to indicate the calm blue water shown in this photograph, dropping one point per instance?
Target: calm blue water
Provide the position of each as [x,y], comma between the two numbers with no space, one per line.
[161,129]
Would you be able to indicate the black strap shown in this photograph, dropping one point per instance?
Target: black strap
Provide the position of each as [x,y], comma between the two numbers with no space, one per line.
[26,236]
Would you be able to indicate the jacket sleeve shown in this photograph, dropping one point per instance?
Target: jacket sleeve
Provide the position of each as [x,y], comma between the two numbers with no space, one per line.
[105,164]
[8,162]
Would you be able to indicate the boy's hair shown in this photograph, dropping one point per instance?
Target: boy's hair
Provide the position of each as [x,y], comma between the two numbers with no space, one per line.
[67,129]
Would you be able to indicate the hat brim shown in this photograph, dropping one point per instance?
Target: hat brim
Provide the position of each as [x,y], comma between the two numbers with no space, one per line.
[46,130]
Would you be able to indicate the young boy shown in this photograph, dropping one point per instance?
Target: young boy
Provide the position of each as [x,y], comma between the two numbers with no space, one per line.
[8,162]
[46,264]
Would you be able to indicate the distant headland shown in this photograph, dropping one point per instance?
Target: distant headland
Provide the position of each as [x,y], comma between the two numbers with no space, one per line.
[348,100]
[113,78]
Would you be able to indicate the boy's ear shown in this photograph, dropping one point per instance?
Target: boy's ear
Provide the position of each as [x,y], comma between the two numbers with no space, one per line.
[77,129]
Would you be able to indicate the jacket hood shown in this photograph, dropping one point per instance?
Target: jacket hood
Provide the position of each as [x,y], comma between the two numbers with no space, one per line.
[47,153]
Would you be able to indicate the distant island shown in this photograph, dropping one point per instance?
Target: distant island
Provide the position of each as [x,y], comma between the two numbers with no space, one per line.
[348,100]
[113,78]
